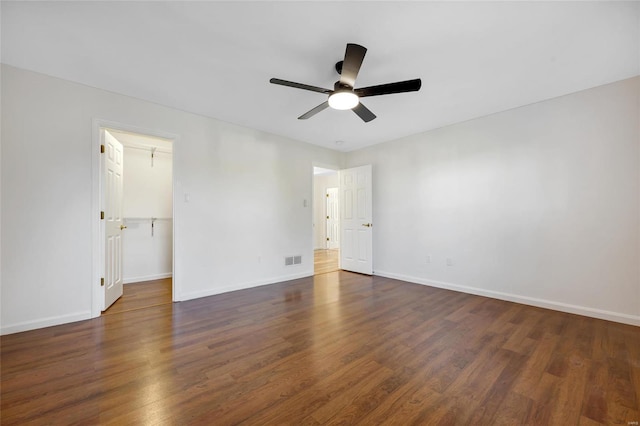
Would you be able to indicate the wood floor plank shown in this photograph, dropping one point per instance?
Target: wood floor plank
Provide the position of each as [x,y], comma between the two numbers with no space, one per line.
[336,348]
[325,260]
[595,398]
[142,295]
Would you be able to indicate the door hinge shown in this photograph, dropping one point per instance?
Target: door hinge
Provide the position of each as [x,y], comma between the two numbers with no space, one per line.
[327,217]
[101,215]
[327,239]
[101,282]
[327,195]
[101,149]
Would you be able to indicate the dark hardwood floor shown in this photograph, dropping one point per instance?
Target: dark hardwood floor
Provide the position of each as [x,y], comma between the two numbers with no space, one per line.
[338,348]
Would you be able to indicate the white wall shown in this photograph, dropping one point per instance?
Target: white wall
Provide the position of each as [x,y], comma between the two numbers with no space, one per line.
[538,204]
[320,184]
[238,180]
[148,194]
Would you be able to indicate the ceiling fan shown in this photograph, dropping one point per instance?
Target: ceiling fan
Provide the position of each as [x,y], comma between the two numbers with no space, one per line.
[344,95]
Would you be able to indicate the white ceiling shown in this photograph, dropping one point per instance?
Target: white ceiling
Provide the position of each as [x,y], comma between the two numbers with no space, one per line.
[216,58]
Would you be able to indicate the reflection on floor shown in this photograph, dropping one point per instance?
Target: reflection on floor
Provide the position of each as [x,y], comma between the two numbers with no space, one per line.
[325,261]
[142,295]
[159,292]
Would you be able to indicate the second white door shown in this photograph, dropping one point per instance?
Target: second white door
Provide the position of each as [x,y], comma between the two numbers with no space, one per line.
[333,219]
[356,225]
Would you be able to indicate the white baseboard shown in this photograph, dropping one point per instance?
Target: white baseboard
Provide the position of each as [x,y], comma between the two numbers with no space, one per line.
[45,322]
[146,278]
[240,286]
[525,300]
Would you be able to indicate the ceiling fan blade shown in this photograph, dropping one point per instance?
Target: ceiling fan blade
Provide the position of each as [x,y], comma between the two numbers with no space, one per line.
[390,88]
[364,113]
[353,57]
[299,86]
[314,111]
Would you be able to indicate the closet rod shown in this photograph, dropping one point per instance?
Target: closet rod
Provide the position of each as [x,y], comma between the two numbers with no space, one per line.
[148,148]
[140,219]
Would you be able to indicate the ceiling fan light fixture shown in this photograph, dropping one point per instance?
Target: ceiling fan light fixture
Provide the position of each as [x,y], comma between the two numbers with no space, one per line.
[343,100]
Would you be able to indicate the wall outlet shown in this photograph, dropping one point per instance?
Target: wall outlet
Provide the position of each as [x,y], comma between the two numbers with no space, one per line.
[428,258]
[449,261]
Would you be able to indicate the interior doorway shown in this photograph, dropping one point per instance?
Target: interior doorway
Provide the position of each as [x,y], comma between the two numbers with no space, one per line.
[326,220]
[352,244]
[137,198]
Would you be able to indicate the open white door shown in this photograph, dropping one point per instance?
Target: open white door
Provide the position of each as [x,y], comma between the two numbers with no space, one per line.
[333,219]
[356,243]
[113,195]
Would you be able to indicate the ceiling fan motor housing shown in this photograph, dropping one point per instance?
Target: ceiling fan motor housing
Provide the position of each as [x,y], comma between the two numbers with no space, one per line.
[341,87]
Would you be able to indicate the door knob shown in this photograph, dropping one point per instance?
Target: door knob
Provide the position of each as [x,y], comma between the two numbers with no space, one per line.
[368,225]
[123,227]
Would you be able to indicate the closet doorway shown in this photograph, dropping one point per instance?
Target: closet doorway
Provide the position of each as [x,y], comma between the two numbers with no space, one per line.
[139,228]
[326,220]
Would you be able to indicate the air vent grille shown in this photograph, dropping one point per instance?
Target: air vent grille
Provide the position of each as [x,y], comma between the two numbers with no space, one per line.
[293,260]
